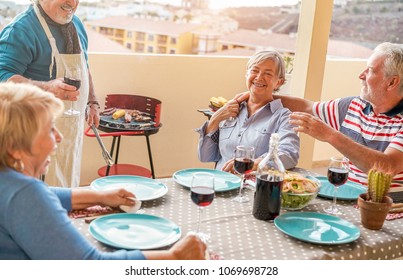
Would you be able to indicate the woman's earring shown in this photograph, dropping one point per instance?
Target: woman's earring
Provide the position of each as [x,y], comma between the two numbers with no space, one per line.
[18,165]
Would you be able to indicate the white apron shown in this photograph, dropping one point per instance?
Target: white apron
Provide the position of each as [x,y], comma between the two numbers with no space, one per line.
[65,167]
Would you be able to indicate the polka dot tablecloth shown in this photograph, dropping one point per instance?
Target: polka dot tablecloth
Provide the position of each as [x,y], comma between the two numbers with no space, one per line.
[236,234]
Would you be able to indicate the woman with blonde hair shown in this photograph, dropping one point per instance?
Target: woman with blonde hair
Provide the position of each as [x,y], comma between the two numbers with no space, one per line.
[33,217]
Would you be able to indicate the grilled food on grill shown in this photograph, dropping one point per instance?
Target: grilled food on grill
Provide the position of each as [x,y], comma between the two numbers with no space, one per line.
[127,115]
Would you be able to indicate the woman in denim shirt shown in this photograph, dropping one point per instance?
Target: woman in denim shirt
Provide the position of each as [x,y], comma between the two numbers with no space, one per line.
[250,118]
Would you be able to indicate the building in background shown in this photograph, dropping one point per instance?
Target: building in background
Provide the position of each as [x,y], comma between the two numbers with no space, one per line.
[144,26]
[142,35]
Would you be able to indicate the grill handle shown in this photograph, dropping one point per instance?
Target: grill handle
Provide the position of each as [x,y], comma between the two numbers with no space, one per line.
[107,157]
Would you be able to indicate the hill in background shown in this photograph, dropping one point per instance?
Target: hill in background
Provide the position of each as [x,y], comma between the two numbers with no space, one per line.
[365,23]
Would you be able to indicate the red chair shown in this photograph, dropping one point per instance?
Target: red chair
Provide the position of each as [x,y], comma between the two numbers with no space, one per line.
[148,105]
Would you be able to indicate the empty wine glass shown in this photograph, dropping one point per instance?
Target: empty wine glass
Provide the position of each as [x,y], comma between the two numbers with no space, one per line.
[72,76]
[243,164]
[202,194]
[337,174]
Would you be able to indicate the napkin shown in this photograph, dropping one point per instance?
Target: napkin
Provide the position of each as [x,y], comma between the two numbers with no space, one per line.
[213,256]
[250,179]
[396,212]
[131,209]
[92,211]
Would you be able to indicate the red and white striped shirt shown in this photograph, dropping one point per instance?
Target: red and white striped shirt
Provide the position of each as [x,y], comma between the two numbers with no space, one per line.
[355,118]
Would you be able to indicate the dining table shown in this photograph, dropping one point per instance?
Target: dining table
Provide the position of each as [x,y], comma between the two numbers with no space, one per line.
[236,235]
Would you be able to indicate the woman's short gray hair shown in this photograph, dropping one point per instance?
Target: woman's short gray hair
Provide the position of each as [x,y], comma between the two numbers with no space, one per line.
[22,110]
[394,60]
[270,54]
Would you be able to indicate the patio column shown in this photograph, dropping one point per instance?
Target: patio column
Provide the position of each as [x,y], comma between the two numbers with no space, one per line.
[310,58]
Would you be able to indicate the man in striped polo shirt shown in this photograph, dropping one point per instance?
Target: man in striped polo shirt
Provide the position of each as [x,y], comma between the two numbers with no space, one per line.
[367,129]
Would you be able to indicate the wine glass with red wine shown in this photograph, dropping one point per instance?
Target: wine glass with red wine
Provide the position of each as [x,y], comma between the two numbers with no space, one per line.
[72,76]
[243,164]
[202,194]
[337,174]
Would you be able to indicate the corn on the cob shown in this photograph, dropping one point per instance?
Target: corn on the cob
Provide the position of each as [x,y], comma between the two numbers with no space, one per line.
[118,114]
[218,101]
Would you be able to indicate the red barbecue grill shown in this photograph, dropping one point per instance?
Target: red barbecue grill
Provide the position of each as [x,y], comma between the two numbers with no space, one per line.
[144,121]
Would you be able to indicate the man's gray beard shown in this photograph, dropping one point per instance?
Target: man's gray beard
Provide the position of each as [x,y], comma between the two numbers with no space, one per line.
[64,21]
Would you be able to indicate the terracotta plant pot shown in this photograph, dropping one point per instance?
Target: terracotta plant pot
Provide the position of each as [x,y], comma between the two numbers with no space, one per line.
[373,214]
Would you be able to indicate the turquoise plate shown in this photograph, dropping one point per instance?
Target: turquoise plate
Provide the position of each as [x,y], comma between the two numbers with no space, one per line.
[223,181]
[348,191]
[317,228]
[144,188]
[135,231]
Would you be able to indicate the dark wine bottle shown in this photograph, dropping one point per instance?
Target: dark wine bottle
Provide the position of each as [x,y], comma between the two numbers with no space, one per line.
[269,182]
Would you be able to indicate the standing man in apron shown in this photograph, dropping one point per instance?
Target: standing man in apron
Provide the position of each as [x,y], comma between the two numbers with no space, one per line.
[37,47]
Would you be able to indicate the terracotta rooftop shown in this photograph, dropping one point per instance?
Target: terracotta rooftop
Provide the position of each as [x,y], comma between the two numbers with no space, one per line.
[339,48]
[254,39]
[286,43]
[235,52]
[145,25]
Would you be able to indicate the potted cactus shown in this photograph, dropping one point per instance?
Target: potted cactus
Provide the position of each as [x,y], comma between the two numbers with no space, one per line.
[375,204]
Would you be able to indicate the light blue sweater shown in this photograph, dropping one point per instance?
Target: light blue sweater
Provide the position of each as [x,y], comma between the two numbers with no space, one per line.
[34,223]
[25,49]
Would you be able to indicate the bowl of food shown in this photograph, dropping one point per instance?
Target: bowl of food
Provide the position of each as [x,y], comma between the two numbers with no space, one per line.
[298,191]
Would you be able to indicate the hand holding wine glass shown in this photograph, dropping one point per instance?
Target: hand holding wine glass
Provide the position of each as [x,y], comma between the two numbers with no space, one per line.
[72,77]
[243,164]
[337,175]
[202,194]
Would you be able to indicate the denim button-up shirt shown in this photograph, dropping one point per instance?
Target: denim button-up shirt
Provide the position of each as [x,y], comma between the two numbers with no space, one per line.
[219,146]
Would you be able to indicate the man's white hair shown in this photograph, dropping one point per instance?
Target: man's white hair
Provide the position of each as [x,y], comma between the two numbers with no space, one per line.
[394,60]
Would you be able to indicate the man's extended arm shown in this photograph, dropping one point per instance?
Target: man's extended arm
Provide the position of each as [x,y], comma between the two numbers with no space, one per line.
[295,104]
[362,156]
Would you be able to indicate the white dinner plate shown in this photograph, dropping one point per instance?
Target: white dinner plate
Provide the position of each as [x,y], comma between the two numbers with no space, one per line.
[144,188]
[135,231]
[223,181]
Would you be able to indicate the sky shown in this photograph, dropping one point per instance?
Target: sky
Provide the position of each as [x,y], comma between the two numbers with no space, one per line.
[214,4]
